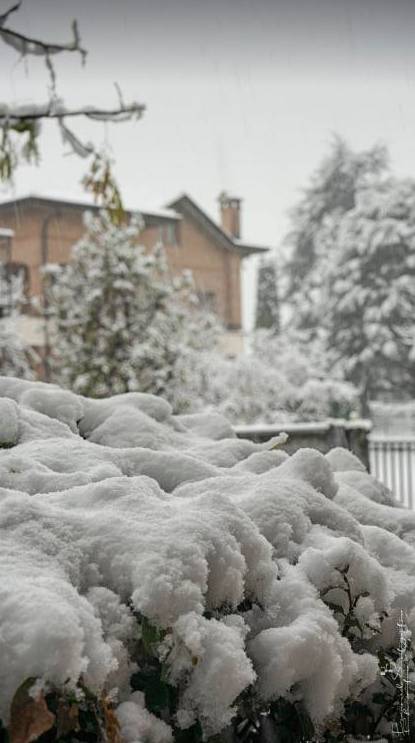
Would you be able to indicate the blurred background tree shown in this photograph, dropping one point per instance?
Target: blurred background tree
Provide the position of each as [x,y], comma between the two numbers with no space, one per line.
[267,303]
[331,193]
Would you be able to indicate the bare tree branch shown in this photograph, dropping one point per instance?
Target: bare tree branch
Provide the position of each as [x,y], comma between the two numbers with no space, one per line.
[27,45]
[4,17]
[82,149]
[20,124]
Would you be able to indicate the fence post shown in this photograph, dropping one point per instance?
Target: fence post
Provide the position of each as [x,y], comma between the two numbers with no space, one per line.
[358,440]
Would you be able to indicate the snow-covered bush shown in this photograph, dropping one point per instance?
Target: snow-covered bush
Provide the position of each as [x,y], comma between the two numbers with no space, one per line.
[244,389]
[280,380]
[319,391]
[163,580]
[122,322]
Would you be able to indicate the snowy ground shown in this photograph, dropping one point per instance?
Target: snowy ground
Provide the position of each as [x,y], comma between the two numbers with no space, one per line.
[116,509]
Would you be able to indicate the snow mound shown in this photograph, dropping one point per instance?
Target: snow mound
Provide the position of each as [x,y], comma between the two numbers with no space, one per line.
[128,533]
[342,460]
[137,724]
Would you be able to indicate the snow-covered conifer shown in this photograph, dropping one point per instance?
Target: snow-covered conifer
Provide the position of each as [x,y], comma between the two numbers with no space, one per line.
[122,321]
[331,193]
[15,356]
[370,306]
[267,303]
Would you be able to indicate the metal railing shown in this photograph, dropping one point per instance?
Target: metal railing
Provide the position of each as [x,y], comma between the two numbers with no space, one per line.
[392,461]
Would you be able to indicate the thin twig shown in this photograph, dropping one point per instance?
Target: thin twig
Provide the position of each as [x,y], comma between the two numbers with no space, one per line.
[29,45]
[4,17]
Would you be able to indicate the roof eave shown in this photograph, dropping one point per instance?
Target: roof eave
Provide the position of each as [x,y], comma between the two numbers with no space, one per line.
[248,250]
[148,216]
[215,230]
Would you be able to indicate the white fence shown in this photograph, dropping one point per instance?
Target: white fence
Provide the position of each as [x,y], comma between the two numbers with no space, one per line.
[392,461]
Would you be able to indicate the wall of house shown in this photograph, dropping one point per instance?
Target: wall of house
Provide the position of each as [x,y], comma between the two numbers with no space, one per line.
[26,241]
[216,271]
[64,229]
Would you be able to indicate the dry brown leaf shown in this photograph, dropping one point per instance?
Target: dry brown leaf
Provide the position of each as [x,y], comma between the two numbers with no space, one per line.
[29,717]
[112,726]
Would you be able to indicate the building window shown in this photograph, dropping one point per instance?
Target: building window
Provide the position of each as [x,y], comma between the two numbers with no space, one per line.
[167,233]
[171,233]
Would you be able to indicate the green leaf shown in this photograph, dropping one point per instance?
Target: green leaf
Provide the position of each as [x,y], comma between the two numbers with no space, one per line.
[156,691]
[4,736]
[151,636]
[193,734]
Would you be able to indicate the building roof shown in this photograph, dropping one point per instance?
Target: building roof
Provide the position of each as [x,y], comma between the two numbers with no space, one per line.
[167,215]
[184,204]
[173,212]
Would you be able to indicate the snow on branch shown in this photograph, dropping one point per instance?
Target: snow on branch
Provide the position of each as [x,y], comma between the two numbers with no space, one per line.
[55,109]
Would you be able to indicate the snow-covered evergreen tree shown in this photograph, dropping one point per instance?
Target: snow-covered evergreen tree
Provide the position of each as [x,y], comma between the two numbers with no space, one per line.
[332,192]
[15,356]
[267,303]
[370,306]
[122,321]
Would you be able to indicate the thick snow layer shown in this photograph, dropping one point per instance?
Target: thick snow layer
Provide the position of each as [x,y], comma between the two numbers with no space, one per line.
[393,519]
[311,466]
[211,425]
[114,510]
[307,649]
[342,460]
[367,486]
[222,670]
[137,725]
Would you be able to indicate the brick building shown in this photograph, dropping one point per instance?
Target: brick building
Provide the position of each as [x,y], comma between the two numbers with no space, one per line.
[46,229]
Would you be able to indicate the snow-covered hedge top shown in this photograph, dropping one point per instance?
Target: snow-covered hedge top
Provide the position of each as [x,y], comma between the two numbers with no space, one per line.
[116,509]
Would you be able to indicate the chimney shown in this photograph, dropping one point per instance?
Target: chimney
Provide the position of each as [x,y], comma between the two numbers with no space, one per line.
[230,214]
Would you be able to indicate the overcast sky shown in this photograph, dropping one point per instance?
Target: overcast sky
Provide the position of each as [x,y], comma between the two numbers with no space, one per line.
[241,95]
